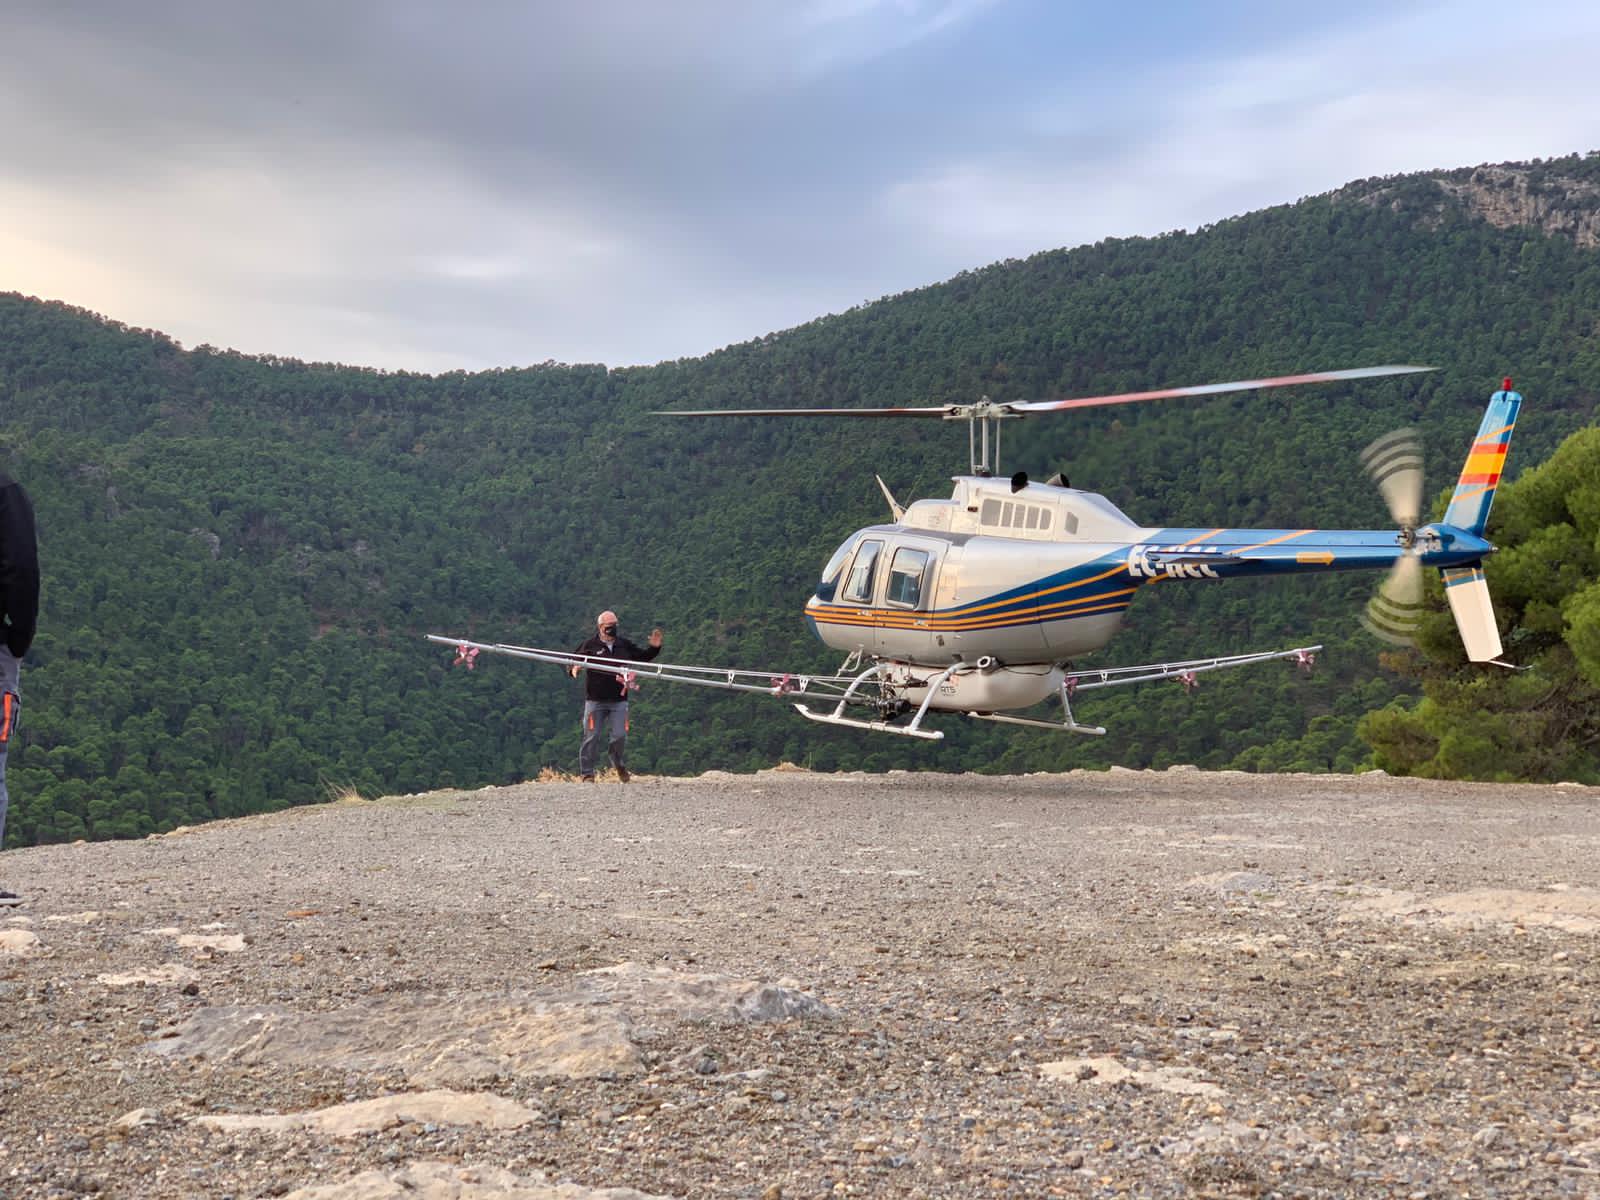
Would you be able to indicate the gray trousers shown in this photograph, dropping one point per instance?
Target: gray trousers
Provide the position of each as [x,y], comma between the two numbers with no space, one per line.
[10,709]
[602,724]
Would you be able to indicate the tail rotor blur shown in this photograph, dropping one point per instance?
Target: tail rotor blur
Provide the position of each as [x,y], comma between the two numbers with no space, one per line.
[1395,612]
[1395,463]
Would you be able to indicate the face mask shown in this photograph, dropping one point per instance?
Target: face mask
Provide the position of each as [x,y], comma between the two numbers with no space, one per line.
[610,631]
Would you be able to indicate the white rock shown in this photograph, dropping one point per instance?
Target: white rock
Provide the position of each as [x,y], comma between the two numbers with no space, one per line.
[445,1181]
[225,943]
[579,1031]
[20,943]
[166,974]
[82,918]
[439,1107]
[1107,1070]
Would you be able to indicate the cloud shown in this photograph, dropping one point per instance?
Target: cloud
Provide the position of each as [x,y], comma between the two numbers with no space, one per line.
[410,186]
[1234,134]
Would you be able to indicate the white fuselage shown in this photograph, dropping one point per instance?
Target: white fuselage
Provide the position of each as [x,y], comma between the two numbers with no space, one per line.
[1019,582]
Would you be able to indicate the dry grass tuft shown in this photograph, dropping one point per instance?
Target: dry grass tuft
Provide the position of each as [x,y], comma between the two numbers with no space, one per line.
[343,793]
[556,775]
[786,765]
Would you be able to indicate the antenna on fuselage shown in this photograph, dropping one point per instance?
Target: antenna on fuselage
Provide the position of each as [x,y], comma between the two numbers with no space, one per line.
[895,507]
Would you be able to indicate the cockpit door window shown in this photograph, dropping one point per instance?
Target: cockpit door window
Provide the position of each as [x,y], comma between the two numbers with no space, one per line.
[907,576]
[858,584]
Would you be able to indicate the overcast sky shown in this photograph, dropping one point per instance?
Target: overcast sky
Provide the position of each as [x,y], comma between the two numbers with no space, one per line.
[439,185]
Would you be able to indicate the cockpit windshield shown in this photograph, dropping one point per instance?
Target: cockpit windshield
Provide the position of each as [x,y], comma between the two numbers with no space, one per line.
[830,573]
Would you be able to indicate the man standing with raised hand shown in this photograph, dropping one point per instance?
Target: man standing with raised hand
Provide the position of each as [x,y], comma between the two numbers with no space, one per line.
[605,706]
[19,615]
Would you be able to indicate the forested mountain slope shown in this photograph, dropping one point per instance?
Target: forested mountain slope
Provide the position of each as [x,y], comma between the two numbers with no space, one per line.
[241,554]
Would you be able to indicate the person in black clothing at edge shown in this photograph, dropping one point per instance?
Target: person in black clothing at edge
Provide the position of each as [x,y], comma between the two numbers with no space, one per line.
[605,705]
[19,614]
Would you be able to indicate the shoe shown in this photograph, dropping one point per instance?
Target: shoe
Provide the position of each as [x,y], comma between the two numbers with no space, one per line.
[623,774]
[586,779]
[9,899]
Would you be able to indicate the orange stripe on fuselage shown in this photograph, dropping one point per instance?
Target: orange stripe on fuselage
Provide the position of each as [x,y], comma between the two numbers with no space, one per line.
[1286,537]
[972,619]
[1041,616]
[967,610]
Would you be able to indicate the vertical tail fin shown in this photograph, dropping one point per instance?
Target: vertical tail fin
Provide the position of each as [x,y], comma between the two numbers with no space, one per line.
[1469,507]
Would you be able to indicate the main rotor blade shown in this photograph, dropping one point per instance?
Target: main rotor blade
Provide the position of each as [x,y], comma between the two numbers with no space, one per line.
[1395,463]
[1396,611]
[1212,389]
[809,412]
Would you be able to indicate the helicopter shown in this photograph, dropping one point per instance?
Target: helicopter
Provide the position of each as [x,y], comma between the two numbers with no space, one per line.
[979,604]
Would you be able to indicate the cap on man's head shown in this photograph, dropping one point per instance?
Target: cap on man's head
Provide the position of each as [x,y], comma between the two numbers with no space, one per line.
[606,618]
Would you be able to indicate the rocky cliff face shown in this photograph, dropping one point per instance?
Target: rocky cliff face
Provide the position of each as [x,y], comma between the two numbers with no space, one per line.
[1562,198]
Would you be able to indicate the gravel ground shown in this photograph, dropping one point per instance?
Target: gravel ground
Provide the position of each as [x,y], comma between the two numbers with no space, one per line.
[1096,984]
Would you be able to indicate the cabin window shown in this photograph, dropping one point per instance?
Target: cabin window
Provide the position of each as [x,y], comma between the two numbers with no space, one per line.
[1007,514]
[858,587]
[906,576]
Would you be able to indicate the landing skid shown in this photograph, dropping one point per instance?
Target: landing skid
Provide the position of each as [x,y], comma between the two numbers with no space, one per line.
[1069,725]
[912,728]
[1059,726]
[834,718]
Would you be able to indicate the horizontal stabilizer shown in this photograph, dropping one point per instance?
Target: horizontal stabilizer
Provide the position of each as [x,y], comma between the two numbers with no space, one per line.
[1468,593]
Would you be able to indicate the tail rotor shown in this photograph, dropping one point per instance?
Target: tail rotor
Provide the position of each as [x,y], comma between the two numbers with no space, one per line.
[1394,462]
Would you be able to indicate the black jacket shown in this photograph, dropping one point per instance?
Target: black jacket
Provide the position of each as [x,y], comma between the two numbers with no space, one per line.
[19,567]
[601,685]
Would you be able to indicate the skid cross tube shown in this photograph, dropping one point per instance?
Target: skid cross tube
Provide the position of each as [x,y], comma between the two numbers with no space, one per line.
[933,683]
[838,712]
